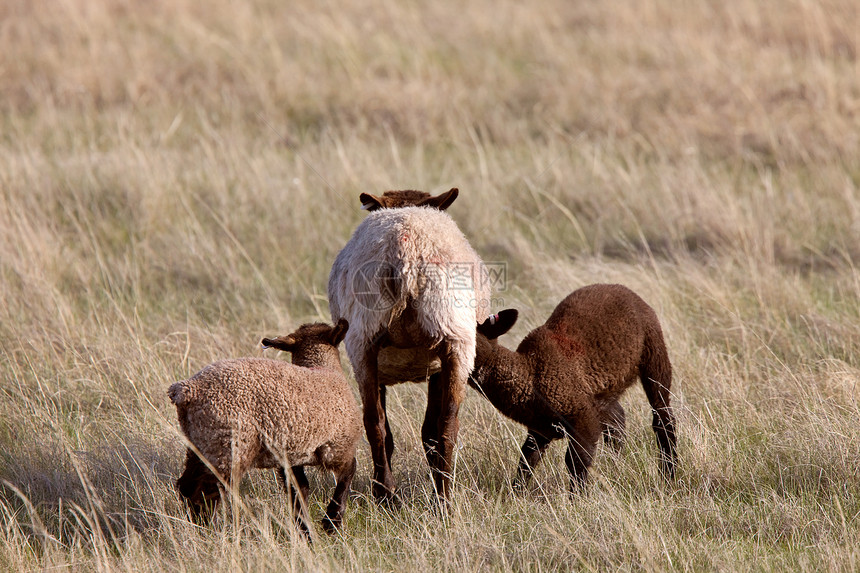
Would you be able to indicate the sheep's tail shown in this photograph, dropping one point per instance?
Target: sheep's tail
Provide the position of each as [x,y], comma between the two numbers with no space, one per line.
[180,393]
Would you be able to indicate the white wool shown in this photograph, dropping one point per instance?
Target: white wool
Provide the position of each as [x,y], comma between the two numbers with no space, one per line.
[421,258]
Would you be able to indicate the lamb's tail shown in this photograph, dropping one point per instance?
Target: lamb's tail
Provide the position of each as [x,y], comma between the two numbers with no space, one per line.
[180,393]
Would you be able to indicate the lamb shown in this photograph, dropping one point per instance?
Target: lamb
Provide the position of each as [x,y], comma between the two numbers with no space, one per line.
[412,288]
[264,413]
[567,375]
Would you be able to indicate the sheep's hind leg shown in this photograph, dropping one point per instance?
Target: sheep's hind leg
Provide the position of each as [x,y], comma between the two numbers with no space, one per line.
[430,427]
[375,424]
[449,397]
[663,424]
[298,495]
[532,452]
[389,437]
[657,382]
[199,487]
[334,512]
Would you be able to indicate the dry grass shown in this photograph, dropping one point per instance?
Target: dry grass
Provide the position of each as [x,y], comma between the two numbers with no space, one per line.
[177,177]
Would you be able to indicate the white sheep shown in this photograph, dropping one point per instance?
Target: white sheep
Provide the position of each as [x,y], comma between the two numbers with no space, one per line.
[264,413]
[412,288]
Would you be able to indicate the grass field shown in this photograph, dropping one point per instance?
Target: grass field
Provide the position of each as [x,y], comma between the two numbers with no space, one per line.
[176,178]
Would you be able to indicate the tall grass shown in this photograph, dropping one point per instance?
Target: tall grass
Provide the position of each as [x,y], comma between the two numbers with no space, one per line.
[177,177]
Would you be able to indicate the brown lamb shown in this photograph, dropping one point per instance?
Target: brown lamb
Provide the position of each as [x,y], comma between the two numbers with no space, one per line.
[566,376]
[264,413]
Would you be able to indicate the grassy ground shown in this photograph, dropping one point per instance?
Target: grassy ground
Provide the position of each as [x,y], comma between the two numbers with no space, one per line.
[177,177]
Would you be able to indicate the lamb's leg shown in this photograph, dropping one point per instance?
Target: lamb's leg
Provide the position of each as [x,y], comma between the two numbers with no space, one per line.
[663,424]
[199,487]
[430,429]
[334,512]
[656,377]
[298,495]
[614,420]
[452,388]
[584,433]
[366,374]
[389,437]
[532,451]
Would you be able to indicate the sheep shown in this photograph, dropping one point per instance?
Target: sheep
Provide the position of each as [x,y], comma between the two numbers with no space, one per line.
[264,413]
[412,288]
[397,365]
[567,375]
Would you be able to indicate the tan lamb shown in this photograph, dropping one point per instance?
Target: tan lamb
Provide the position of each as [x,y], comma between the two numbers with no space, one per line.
[262,413]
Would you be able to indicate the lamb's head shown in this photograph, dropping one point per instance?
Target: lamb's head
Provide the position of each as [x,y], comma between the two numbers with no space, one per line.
[489,331]
[312,345]
[408,198]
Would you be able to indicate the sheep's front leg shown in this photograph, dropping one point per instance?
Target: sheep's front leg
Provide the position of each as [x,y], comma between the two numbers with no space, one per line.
[375,424]
[334,512]
[532,451]
[298,495]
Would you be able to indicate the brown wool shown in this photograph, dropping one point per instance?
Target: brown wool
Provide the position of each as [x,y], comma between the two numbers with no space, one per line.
[566,376]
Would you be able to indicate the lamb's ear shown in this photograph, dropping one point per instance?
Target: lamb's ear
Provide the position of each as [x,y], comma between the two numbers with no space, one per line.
[285,343]
[370,202]
[498,324]
[339,331]
[441,201]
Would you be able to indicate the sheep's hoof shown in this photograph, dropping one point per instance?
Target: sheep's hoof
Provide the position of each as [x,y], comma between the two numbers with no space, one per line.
[331,526]
[201,511]
[385,496]
[390,501]
[578,486]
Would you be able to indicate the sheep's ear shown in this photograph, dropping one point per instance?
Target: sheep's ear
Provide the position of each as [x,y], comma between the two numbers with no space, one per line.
[498,324]
[370,202]
[441,201]
[339,331]
[285,343]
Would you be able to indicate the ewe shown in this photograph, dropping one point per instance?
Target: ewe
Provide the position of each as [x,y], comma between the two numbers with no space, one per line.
[566,376]
[258,412]
[412,288]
